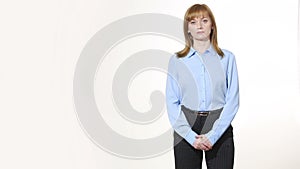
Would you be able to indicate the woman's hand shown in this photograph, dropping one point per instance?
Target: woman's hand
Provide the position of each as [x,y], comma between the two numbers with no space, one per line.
[202,143]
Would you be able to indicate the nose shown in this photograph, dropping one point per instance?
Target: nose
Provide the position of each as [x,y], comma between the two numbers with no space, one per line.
[199,25]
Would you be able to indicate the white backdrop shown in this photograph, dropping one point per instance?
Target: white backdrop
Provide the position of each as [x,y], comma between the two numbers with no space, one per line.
[41,42]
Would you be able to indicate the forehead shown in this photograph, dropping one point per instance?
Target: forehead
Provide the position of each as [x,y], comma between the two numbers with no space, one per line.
[197,15]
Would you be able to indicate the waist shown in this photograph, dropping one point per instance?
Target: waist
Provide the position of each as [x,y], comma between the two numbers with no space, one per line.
[201,113]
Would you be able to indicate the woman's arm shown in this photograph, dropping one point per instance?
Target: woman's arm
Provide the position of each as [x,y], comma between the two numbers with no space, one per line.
[231,102]
[173,98]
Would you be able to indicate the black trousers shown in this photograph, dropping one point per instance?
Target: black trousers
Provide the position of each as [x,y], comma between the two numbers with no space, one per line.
[221,156]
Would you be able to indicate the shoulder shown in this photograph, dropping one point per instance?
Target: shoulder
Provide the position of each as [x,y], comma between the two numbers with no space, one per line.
[228,55]
[174,59]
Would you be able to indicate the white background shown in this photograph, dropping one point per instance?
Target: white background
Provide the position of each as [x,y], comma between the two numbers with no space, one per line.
[42,40]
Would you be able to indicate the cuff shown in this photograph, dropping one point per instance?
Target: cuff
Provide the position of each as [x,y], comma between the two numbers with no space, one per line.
[191,137]
[210,137]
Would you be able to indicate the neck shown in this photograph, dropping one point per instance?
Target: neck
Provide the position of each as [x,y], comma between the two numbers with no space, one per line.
[201,46]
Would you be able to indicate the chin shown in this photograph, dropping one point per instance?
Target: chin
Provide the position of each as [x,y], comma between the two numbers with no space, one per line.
[202,39]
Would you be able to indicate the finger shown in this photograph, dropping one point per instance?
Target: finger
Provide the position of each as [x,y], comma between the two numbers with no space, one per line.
[207,144]
[204,146]
[198,147]
[205,149]
[198,136]
[196,144]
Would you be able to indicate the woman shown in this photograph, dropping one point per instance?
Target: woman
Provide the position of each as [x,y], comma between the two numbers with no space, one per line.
[202,95]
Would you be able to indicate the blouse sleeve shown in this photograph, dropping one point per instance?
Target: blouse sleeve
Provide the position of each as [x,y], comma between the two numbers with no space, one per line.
[231,102]
[173,102]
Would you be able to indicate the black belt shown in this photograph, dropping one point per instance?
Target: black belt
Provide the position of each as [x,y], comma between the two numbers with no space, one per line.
[198,113]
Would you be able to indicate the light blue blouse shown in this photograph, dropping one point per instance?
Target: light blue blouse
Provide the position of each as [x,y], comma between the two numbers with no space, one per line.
[202,82]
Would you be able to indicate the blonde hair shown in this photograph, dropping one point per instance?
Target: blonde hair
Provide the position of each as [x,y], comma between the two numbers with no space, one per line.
[199,10]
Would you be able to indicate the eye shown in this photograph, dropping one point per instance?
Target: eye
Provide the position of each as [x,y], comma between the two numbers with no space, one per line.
[192,22]
[205,20]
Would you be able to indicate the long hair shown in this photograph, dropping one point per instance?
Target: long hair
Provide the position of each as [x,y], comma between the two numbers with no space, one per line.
[199,10]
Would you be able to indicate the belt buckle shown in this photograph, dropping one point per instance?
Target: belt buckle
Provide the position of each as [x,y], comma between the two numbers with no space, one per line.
[202,113]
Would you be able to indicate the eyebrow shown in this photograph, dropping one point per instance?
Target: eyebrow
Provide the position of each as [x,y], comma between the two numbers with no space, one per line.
[199,18]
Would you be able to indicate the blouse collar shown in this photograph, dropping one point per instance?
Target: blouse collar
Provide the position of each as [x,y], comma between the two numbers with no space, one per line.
[192,51]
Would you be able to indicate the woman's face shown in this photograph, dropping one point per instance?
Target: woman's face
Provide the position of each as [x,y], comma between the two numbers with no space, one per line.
[200,28]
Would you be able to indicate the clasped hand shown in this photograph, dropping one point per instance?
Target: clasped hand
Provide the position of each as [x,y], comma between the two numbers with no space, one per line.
[202,143]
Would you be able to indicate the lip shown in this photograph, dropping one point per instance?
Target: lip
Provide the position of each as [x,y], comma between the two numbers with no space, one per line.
[200,32]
